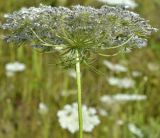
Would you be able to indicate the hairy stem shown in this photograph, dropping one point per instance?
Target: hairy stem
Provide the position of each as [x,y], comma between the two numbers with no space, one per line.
[79,94]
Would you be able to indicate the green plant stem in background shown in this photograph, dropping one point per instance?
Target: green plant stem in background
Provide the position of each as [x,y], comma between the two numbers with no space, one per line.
[78,75]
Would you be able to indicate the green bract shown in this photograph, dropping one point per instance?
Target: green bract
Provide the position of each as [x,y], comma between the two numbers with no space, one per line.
[83,29]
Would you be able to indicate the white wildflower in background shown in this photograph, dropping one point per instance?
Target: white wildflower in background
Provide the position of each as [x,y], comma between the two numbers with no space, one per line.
[129,97]
[42,108]
[67,93]
[103,112]
[121,82]
[122,98]
[153,67]
[15,67]
[106,99]
[130,3]
[136,74]
[68,118]
[12,68]
[115,67]
[135,130]
[120,122]
[72,73]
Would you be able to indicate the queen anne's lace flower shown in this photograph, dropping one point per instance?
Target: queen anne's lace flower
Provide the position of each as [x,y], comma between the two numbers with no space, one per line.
[15,67]
[121,82]
[122,98]
[68,118]
[12,68]
[115,67]
[87,30]
[129,97]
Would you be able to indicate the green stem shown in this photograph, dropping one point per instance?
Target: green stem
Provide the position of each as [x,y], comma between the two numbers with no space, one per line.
[78,74]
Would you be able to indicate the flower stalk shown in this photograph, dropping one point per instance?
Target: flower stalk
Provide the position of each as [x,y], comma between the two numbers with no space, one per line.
[79,94]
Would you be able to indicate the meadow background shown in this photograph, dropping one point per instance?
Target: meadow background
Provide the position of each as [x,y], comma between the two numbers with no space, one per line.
[44,82]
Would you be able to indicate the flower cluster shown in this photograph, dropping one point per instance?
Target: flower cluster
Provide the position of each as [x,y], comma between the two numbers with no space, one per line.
[68,118]
[85,30]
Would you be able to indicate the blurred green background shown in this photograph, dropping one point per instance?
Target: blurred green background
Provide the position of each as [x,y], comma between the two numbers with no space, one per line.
[43,82]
